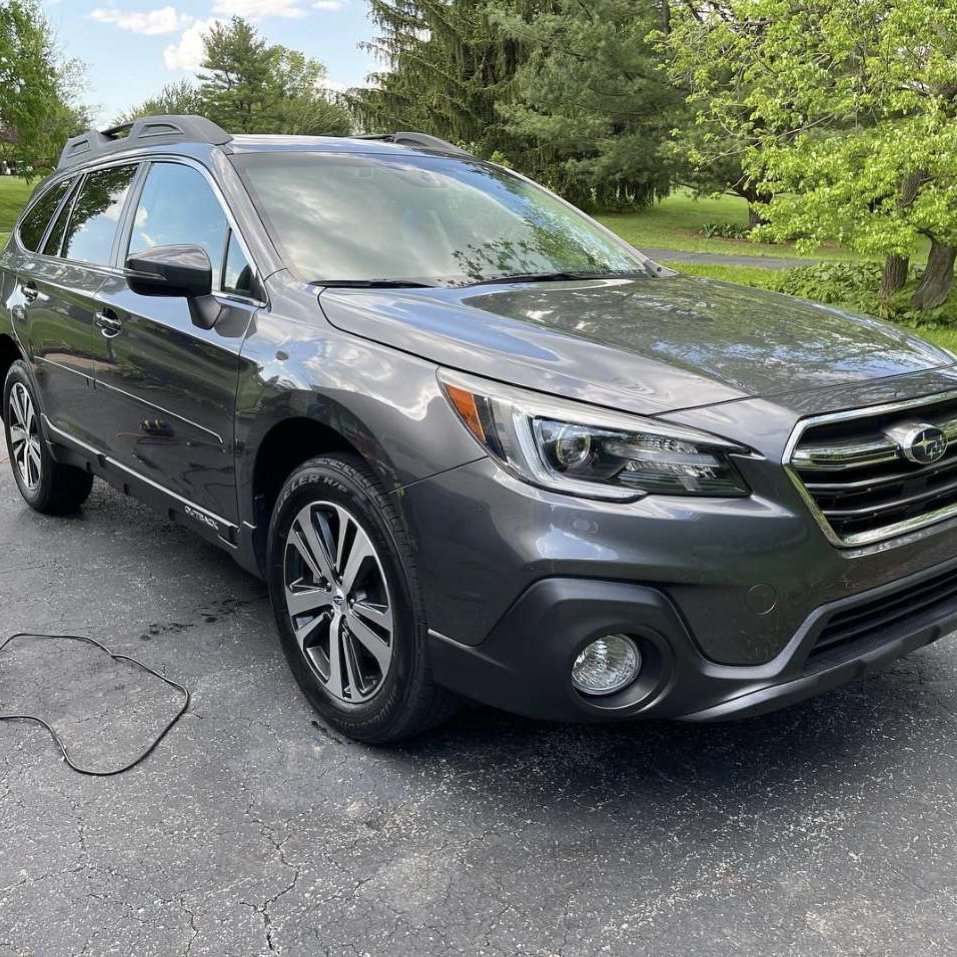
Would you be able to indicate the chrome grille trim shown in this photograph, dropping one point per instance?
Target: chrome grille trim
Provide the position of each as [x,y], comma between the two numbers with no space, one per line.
[838,457]
[877,482]
[860,454]
[851,456]
[888,506]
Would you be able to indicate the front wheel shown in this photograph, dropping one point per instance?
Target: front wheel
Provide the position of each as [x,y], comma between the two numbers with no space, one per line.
[343,586]
[45,484]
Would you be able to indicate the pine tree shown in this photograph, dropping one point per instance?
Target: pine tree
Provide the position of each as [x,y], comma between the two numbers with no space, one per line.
[566,91]
[238,86]
[592,94]
[448,68]
[251,86]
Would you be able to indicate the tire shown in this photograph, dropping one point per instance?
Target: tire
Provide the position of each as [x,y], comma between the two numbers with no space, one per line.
[46,485]
[348,606]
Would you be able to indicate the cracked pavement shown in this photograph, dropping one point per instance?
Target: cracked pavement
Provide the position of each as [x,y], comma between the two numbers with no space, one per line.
[830,828]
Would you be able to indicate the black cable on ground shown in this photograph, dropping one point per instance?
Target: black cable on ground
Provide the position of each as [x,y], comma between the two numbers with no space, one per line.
[66,755]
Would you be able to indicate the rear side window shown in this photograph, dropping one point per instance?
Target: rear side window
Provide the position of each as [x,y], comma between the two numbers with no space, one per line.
[96,214]
[178,208]
[35,222]
[55,237]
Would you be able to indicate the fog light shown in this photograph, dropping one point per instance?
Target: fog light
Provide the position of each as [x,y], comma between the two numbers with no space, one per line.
[606,665]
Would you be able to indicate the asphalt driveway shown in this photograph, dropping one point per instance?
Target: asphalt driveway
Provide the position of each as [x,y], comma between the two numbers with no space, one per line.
[827,829]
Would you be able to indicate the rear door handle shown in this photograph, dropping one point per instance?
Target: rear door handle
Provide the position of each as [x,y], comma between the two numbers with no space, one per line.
[30,291]
[108,324]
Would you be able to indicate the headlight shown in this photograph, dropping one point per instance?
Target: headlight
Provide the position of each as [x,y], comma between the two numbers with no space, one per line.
[562,445]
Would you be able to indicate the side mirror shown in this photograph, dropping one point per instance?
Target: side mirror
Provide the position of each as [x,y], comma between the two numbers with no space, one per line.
[171,271]
[176,271]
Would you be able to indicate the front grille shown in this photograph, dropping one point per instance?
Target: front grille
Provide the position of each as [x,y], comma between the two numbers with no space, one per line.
[857,479]
[924,601]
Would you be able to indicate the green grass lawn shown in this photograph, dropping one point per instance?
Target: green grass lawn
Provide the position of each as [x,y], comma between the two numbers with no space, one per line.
[674,223]
[14,192]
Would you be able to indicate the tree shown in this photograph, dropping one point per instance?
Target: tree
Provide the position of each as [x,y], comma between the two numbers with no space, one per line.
[849,125]
[592,94]
[252,86]
[314,116]
[447,68]
[567,91]
[303,107]
[239,85]
[707,151]
[181,98]
[38,109]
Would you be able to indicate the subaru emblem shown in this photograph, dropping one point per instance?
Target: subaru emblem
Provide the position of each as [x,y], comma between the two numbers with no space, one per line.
[924,445]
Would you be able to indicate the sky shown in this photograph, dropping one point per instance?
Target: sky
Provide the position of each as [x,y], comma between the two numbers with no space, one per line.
[132,48]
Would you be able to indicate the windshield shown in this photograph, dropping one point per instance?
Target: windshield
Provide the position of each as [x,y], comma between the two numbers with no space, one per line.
[422,219]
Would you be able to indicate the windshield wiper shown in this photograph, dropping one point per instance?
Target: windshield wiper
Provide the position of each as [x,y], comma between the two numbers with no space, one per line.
[554,277]
[372,284]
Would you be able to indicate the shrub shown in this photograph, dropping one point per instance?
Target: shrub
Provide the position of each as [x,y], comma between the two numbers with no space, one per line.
[856,286]
[725,231]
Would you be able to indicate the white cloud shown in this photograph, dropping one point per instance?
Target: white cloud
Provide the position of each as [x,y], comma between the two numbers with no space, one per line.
[152,23]
[328,5]
[190,52]
[255,9]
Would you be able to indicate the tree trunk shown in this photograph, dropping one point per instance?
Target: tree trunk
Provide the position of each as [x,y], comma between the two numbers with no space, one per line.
[753,196]
[895,275]
[938,278]
[665,17]
[909,188]
[895,267]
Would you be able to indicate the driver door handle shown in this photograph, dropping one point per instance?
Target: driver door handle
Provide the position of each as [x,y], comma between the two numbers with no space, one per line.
[108,324]
[29,291]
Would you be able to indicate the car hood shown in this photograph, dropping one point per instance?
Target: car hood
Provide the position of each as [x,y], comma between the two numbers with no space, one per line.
[649,345]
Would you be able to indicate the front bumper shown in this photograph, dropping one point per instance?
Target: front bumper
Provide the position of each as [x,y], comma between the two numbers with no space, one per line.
[524,665]
[728,596]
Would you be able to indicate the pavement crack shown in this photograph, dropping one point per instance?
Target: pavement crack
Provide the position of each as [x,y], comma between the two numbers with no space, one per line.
[194,929]
[269,833]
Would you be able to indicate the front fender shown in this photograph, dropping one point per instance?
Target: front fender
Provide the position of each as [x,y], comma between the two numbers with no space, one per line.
[386,403]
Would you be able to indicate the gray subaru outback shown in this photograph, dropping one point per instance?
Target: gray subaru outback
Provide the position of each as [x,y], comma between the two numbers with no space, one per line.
[477,445]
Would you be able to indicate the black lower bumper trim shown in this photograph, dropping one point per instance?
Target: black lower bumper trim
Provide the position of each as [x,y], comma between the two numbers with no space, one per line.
[524,665]
[781,695]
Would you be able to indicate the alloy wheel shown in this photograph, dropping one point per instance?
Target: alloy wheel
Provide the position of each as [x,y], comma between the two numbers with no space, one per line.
[338,601]
[25,436]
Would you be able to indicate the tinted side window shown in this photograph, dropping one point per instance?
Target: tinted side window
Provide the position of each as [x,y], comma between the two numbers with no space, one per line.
[238,275]
[178,208]
[96,214]
[35,223]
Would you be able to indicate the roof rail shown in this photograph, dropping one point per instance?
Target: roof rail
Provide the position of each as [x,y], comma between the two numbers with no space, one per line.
[142,132]
[424,140]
